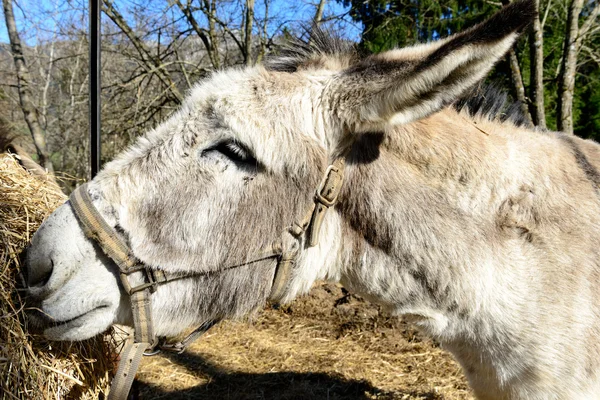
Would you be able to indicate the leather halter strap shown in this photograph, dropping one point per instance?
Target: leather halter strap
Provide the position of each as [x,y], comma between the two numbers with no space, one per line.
[145,342]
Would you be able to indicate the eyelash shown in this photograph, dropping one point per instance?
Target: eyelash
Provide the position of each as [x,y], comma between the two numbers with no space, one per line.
[234,151]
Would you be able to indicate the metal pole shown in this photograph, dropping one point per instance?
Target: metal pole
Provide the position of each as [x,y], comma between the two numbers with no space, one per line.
[95,31]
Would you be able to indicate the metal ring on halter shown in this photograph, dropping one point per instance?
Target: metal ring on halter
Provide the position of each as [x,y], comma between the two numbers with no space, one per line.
[153,351]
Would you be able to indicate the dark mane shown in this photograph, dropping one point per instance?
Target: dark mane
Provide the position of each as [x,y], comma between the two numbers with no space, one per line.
[492,102]
[316,47]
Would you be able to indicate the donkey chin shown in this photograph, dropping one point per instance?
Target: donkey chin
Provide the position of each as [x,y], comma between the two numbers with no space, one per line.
[64,300]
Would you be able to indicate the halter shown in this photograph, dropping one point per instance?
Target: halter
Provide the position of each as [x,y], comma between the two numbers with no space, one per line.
[145,341]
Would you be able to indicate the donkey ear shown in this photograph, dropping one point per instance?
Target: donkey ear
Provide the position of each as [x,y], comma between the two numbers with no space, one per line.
[401,86]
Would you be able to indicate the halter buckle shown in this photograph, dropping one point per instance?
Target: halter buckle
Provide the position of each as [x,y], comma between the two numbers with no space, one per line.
[176,348]
[150,278]
[330,186]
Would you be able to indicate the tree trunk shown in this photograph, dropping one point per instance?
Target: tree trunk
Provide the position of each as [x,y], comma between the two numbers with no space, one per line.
[212,33]
[264,37]
[517,79]
[248,33]
[48,75]
[25,95]
[319,13]
[536,87]
[566,79]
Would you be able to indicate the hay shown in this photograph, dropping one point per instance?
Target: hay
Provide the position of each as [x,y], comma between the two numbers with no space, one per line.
[328,345]
[30,367]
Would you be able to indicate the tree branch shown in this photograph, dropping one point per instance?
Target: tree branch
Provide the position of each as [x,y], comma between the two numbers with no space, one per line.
[212,52]
[150,62]
[25,94]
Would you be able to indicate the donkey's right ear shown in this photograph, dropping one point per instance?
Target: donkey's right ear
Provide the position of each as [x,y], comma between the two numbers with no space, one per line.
[401,86]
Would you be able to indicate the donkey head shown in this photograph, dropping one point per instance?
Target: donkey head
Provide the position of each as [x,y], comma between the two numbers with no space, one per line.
[227,174]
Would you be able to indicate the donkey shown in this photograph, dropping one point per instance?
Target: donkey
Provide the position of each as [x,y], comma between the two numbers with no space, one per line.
[484,233]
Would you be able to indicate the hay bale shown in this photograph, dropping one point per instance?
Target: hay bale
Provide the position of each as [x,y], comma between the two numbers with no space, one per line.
[30,367]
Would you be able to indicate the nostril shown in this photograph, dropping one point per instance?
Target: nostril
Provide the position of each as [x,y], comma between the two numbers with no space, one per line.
[38,274]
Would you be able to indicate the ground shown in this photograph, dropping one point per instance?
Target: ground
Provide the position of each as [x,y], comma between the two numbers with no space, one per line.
[328,345]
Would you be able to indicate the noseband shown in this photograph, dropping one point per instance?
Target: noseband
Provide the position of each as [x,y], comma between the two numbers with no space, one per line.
[145,342]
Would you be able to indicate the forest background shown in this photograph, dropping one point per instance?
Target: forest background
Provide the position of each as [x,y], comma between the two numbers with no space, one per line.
[154,51]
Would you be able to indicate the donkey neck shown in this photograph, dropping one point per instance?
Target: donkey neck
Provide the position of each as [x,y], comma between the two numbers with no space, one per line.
[455,223]
[417,228]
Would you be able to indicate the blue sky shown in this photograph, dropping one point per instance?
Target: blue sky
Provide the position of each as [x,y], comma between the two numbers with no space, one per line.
[37,19]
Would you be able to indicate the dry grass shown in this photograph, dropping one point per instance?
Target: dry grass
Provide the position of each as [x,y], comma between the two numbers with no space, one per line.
[30,367]
[328,345]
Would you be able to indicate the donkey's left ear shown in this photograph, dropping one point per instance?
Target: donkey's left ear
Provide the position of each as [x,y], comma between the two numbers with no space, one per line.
[401,86]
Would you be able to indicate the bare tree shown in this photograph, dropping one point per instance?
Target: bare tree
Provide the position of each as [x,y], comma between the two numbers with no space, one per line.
[536,87]
[319,13]
[151,63]
[519,87]
[568,69]
[150,54]
[573,43]
[248,32]
[209,39]
[47,74]
[517,79]
[24,81]
[589,34]
[211,12]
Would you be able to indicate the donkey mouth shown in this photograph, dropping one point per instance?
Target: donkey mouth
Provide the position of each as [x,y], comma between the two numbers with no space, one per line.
[80,327]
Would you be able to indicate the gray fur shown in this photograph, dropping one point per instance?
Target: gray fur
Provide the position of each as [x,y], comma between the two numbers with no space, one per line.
[483,233]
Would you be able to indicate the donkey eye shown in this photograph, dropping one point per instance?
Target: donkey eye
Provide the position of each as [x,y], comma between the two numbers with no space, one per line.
[233,150]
